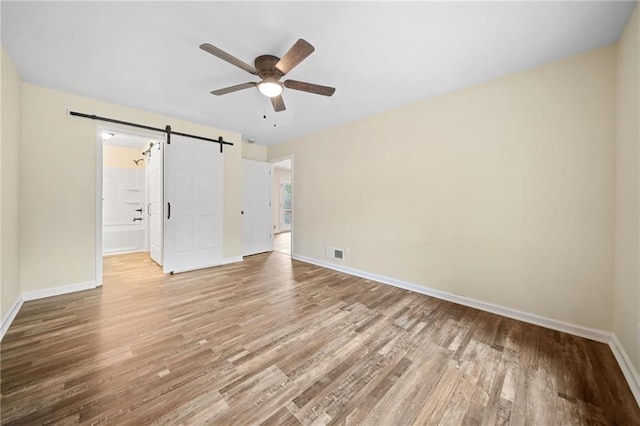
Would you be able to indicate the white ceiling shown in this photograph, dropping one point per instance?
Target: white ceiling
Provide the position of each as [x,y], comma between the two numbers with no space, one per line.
[379,55]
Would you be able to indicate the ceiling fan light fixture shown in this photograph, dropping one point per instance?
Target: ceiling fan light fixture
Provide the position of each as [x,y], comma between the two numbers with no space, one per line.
[270,87]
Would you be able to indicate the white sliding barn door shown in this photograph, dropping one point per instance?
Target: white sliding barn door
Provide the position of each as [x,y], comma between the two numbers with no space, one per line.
[154,208]
[194,178]
[257,222]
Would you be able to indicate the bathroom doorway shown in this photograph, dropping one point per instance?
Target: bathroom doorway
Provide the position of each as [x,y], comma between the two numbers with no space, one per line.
[123,192]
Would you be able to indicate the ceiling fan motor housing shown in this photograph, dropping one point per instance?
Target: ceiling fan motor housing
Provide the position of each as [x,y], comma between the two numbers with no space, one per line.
[266,66]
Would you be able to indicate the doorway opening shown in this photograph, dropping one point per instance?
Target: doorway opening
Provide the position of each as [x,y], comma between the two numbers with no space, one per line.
[122,192]
[285,204]
[282,202]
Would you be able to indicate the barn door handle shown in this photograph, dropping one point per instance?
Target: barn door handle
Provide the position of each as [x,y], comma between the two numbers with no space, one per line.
[168,210]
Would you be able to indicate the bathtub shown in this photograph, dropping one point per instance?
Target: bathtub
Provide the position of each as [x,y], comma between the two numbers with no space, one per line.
[123,239]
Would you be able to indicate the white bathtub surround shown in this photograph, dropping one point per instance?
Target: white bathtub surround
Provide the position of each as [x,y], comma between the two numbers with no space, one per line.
[123,194]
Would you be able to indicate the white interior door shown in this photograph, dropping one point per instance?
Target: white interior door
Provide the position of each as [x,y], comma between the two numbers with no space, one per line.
[154,208]
[257,222]
[194,185]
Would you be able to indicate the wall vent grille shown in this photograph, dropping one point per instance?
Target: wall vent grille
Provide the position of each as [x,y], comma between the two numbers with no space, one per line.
[334,253]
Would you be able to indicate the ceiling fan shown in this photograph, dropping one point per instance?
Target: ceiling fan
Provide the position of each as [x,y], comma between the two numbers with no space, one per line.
[271,69]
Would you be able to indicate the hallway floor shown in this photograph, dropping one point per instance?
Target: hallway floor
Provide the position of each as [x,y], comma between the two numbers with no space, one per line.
[282,242]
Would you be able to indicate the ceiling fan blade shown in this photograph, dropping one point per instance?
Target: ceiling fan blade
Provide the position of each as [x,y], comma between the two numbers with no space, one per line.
[298,52]
[278,103]
[226,57]
[232,89]
[309,87]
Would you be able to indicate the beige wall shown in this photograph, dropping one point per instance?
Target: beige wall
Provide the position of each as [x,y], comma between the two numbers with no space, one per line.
[122,157]
[627,229]
[251,151]
[11,94]
[58,184]
[275,198]
[502,192]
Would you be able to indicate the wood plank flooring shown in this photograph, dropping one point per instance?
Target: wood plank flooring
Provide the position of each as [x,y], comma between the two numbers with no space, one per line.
[274,341]
[282,242]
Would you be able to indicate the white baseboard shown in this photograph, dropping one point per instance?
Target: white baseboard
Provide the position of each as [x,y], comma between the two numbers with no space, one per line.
[56,291]
[627,367]
[577,330]
[11,315]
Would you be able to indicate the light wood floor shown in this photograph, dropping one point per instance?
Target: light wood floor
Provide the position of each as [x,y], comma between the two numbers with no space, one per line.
[276,341]
[282,242]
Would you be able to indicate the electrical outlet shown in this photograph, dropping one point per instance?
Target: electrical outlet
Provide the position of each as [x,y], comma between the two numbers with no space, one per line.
[347,251]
